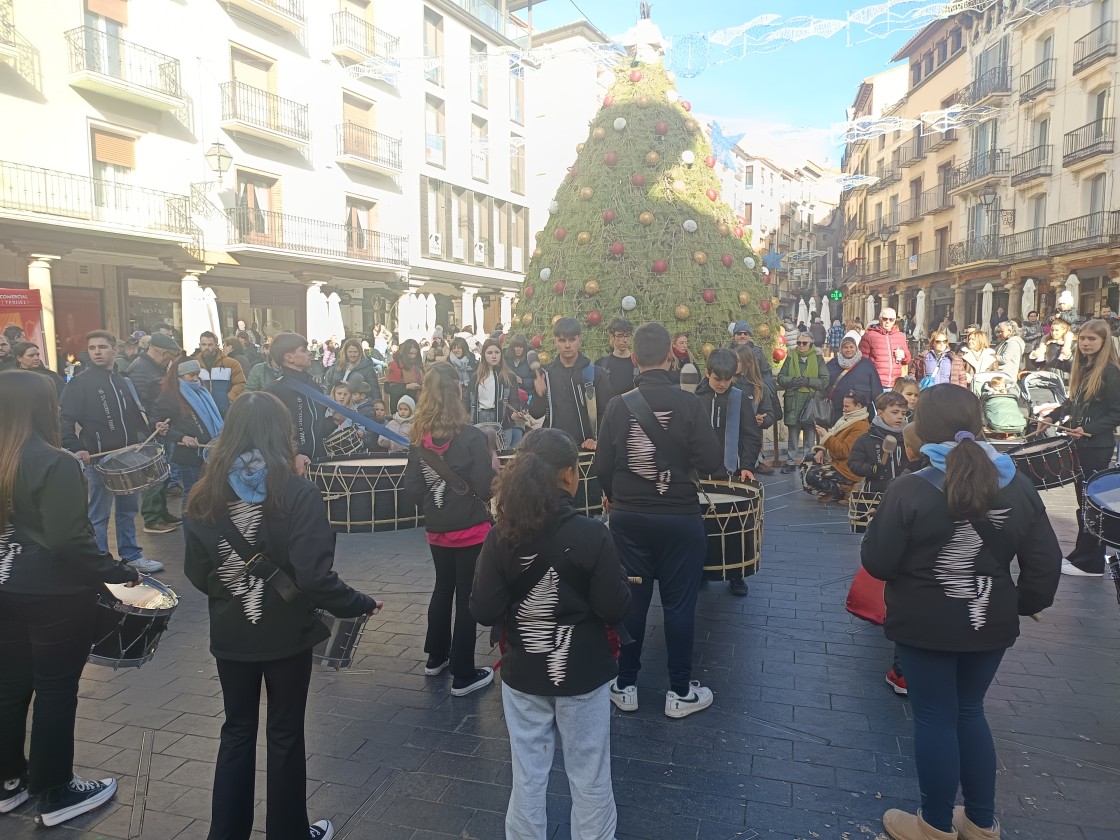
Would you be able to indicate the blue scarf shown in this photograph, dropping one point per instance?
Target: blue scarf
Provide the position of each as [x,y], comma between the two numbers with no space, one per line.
[248,477]
[938,452]
[203,406]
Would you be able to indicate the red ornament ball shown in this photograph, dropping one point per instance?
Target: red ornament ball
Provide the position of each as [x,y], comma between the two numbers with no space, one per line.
[711,194]
[635,75]
[594,317]
[529,292]
[727,260]
[638,179]
[611,158]
[708,295]
[710,161]
[608,101]
[779,354]
[686,104]
[764,306]
[609,216]
[573,171]
[661,129]
[738,232]
[561,234]
[660,266]
[617,249]
[559,287]
[781,339]
[536,342]
[767,278]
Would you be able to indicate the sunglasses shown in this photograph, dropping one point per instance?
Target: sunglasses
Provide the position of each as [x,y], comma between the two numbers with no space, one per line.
[888,319]
[742,333]
[803,344]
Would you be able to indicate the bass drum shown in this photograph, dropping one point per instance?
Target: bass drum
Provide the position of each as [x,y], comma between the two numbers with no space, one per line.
[365,495]
[732,513]
[588,498]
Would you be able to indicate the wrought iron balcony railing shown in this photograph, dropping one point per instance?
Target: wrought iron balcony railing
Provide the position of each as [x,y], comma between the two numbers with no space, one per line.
[251,227]
[94,51]
[355,35]
[928,262]
[1024,245]
[936,199]
[992,163]
[910,211]
[993,82]
[936,140]
[976,249]
[1033,163]
[1039,79]
[1090,231]
[370,146]
[913,150]
[1098,44]
[263,110]
[1096,138]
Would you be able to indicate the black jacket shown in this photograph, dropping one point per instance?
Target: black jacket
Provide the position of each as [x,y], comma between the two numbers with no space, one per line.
[564,618]
[104,404]
[862,377]
[249,621]
[184,423]
[945,589]
[468,456]
[1099,416]
[306,414]
[865,459]
[621,371]
[147,376]
[628,466]
[49,547]
[505,397]
[565,404]
[750,433]
[522,374]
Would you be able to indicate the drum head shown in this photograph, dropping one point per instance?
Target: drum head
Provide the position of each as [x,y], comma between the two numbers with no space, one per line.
[1104,490]
[132,460]
[721,498]
[1038,446]
[148,595]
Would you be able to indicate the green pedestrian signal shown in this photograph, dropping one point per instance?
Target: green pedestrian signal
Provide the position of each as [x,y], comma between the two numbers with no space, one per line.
[836,294]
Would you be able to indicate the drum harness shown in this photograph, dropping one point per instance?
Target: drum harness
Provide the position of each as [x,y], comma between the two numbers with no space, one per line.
[658,436]
[258,565]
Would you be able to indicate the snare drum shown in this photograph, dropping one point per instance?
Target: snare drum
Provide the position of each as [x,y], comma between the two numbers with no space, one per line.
[365,494]
[1101,507]
[1048,463]
[133,470]
[861,509]
[345,441]
[588,498]
[732,513]
[337,651]
[130,621]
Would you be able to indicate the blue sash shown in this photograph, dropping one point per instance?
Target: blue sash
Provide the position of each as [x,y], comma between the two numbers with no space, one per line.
[731,433]
[349,413]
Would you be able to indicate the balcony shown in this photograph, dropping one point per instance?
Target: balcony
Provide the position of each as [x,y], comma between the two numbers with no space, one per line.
[913,151]
[9,40]
[856,229]
[1033,163]
[1090,141]
[935,199]
[887,175]
[1024,245]
[991,87]
[266,116]
[929,262]
[283,14]
[486,12]
[910,211]
[48,197]
[995,163]
[359,41]
[1038,80]
[1095,230]
[274,234]
[978,249]
[939,139]
[363,148]
[887,225]
[1097,45]
[114,67]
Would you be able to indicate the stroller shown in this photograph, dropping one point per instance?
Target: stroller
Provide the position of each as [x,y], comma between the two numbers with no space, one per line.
[1006,412]
[1043,390]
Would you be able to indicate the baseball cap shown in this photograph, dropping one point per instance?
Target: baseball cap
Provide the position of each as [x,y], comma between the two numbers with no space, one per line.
[165,342]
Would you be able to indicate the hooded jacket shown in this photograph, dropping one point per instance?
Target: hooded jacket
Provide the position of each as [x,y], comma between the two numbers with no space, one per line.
[105,405]
[838,445]
[261,376]
[305,413]
[565,404]
[468,456]
[224,379]
[558,642]
[147,376]
[864,459]
[750,433]
[249,621]
[879,346]
[365,369]
[927,364]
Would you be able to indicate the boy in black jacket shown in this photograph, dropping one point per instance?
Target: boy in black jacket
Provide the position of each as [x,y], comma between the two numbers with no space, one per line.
[879,455]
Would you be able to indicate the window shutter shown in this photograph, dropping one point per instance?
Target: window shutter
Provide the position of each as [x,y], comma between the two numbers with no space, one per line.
[355,112]
[114,149]
[112,9]
[423,216]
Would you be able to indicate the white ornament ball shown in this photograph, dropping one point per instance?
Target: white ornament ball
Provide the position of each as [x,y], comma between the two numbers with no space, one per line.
[749,262]
[554,207]
[688,157]
[619,124]
[766,271]
[671,95]
[731,328]
[689,225]
[671,76]
[546,274]
[628,303]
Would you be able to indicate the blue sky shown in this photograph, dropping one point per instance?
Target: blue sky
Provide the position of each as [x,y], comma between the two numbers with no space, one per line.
[786,101]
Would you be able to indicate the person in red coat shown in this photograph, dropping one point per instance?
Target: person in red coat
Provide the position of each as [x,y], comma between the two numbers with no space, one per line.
[885,345]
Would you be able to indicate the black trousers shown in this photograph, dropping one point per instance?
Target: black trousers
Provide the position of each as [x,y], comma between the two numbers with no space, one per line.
[286,682]
[454,579]
[44,644]
[1088,554]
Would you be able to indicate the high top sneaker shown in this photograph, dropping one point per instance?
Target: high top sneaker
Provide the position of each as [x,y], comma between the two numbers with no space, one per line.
[65,802]
[13,793]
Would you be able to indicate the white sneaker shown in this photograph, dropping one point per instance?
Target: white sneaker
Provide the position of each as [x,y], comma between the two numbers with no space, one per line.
[322,830]
[146,566]
[626,699]
[697,699]
[1069,569]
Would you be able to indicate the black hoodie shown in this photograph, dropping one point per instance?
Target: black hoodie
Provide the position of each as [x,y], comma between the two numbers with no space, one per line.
[864,459]
[563,620]
[306,414]
[106,407]
[750,433]
[468,456]
[565,404]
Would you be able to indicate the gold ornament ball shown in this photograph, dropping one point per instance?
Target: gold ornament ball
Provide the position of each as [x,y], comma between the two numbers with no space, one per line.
[775,302]
[515,320]
[544,357]
[527,318]
[744,298]
[682,312]
[723,228]
[599,133]
[763,330]
[584,238]
[591,287]
[540,233]
[537,252]
[556,318]
[586,193]
[646,218]
[643,101]
[706,349]
[699,257]
[653,158]
[579,148]
[679,186]
[690,125]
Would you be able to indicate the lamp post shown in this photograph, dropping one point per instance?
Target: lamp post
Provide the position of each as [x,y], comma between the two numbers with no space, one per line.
[989,197]
[219,160]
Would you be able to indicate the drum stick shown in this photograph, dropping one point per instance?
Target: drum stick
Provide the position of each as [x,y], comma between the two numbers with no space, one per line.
[1043,425]
[129,448]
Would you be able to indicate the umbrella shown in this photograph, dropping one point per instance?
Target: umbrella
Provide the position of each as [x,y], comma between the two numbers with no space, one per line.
[430,314]
[196,320]
[1073,286]
[986,309]
[826,313]
[920,315]
[869,310]
[802,313]
[210,301]
[1029,298]
[478,328]
[316,313]
[335,327]
[812,306]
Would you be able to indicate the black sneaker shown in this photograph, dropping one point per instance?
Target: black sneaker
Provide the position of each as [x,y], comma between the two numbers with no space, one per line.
[13,793]
[65,802]
[482,678]
[322,830]
[738,587]
[434,668]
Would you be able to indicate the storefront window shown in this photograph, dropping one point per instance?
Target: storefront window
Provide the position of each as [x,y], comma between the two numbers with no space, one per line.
[145,313]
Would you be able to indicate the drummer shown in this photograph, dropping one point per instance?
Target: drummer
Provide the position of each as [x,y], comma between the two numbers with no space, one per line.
[1091,414]
[650,495]
[51,567]
[105,407]
[194,417]
[289,353]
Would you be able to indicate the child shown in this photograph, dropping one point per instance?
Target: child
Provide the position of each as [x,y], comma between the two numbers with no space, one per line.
[360,401]
[340,393]
[878,455]
[401,424]
[908,387]
[995,385]
[833,481]
[717,394]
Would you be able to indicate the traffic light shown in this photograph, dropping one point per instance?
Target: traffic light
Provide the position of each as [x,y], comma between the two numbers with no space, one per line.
[836,294]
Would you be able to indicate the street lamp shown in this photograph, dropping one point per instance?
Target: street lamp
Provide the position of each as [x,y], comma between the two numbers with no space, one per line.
[988,197]
[219,160]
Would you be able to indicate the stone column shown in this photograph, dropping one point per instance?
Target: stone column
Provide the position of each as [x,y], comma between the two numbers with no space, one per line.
[1014,301]
[507,309]
[39,278]
[958,307]
[468,309]
[903,299]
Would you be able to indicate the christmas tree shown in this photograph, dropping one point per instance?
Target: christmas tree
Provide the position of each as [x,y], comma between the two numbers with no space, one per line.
[638,230]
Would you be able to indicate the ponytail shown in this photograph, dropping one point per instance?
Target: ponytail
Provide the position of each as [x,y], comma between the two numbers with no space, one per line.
[525,492]
[971,481]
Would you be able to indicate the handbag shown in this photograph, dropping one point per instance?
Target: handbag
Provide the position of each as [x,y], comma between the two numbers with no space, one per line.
[865,598]
[816,412]
[927,381]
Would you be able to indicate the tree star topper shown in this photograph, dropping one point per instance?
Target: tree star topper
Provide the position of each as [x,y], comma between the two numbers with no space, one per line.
[723,145]
[772,260]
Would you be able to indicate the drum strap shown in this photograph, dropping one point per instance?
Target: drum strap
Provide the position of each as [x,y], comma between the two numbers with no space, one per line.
[657,435]
[434,460]
[258,565]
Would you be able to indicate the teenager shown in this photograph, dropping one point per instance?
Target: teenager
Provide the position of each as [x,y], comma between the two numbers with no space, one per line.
[517,360]
[619,364]
[493,396]
[406,373]
[289,352]
[571,393]
[194,419]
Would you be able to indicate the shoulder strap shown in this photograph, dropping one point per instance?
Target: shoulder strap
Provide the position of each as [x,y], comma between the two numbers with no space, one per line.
[256,563]
[590,399]
[434,460]
[659,437]
[731,433]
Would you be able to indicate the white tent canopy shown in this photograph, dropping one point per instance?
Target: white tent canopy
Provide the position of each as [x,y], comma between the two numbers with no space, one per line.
[986,309]
[869,311]
[826,314]
[920,315]
[196,318]
[803,313]
[335,326]
[1029,299]
[316,314]
[210,302]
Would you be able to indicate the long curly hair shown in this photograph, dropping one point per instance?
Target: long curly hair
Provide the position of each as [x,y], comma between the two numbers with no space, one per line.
[440,411]
[526,501]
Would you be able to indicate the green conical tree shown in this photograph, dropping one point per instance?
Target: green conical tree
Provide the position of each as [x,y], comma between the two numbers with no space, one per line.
[640,215]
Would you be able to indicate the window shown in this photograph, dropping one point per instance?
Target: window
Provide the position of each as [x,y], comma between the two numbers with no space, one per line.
[748,214]
[1097,193]
[433,47]
[480,149]
[257,206]
[517,165]
[105,22]
[433,132]
[252,69]
[1042,132]
[481,252]
[114,158]
[1038,212]
[956,41]
[362,240]
[1104,11]
[942,52]
[1046,48]
[519,238]
[358,136]
[882,142]
[516,92]
[915,74]
[460,222]
[501,229]
[434,218]
[748,177]
[479,72]
[1101,104]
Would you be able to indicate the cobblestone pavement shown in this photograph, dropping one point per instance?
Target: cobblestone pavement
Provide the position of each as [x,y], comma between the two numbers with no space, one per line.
[804,739]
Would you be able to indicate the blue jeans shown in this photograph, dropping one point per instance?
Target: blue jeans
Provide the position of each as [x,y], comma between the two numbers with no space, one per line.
[671,550]
[101,506]
[189,476]
[583,723]
[793,451]
[513,436]
[952,742]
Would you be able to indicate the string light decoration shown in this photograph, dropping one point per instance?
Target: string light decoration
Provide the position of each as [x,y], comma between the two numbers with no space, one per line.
[662,245]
